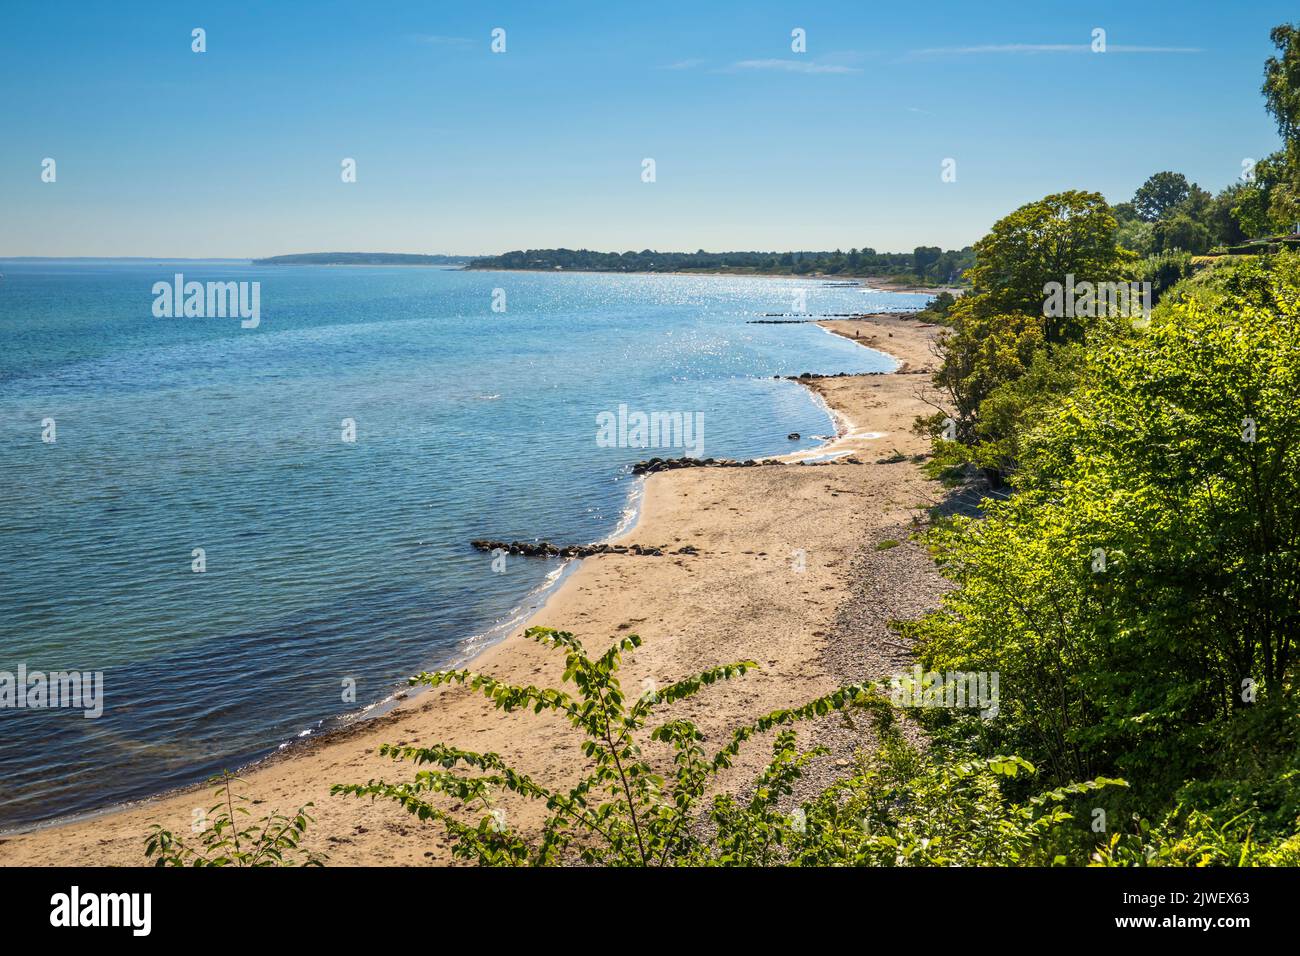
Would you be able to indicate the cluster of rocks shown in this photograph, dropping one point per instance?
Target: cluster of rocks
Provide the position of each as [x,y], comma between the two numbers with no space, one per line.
[544,549]
[808,376]
[653,465]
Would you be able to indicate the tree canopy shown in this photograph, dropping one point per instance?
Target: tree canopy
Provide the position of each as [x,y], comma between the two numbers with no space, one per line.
[1160,194]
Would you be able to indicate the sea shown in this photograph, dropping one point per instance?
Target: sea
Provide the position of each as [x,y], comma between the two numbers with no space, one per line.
[250,532]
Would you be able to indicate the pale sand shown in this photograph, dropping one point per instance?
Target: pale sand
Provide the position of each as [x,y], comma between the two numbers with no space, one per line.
[739,598]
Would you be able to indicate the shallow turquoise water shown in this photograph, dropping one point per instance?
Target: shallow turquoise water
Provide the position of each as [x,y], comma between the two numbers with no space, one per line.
[327,560]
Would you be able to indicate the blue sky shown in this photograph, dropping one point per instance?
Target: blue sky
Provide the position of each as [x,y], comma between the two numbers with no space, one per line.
[236,152]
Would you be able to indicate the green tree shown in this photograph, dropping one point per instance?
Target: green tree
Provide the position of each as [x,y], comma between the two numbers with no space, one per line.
[1140,593]
[1282,81]
[1224,225]
[978,355]
[1069,233]
[998,328]
[1125,212]
[1181,232]
[1253,206]
[1136,236]
[1274,204]
[923,257]
[1197,204]
[1010,411]
[1159,195]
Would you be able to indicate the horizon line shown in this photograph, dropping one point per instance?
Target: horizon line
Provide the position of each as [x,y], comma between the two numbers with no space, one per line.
[486,255]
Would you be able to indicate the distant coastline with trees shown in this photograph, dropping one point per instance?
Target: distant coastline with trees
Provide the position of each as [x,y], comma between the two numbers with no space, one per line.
[923,265]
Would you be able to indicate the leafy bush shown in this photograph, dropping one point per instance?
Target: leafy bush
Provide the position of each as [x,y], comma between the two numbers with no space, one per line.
[1196,838]
[902,808]
[938,308]
[1011,412]
[978,355]
[274,840]
[1163,271]
[1139,592]
[623,811]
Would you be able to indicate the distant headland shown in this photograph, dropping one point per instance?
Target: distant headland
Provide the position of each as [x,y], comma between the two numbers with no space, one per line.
[361,259]
[927,265]
[923,266]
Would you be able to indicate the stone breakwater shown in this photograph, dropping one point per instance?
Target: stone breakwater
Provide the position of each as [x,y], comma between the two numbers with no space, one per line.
[545,549]
[655,465]
[812,377]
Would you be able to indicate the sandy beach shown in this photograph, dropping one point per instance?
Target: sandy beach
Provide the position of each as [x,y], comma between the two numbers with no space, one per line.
[742,596]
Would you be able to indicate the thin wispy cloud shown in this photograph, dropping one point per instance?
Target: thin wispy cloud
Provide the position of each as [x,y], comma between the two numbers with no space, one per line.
[791,66]
[1031,48]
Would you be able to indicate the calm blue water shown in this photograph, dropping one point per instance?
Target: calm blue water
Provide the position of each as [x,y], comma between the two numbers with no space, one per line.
[327,560]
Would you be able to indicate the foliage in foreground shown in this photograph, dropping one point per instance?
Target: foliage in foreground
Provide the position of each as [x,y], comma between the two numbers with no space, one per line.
[901,808]
[911,808]
[273,840]
[623,811]
[1140,593]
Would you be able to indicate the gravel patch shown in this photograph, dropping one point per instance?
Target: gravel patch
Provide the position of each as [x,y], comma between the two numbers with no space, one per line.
[889,583]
